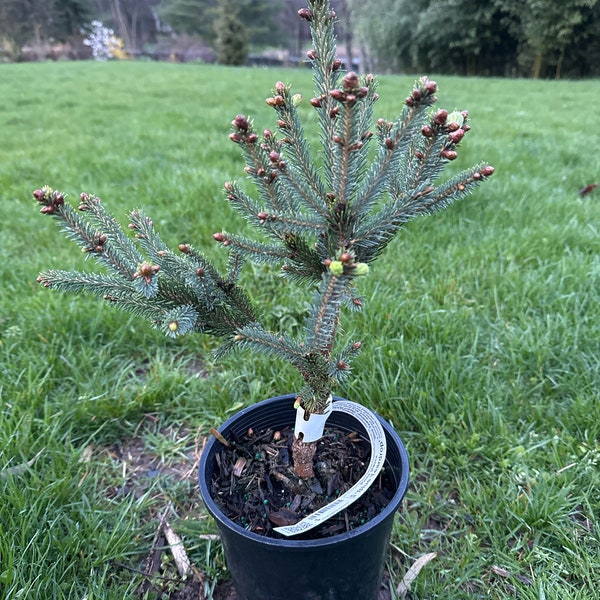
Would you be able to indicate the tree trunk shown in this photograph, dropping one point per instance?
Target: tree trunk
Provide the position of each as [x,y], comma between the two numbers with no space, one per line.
[538,62]
[302,456]
[121,22]
[559,64]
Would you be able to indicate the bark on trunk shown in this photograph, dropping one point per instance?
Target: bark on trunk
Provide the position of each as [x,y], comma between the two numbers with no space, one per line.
[302,455]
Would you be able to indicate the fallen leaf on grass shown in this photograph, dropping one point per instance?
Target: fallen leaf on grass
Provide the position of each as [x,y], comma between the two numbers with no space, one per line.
[413,572]
[18,469]
[179,554]
[496,570]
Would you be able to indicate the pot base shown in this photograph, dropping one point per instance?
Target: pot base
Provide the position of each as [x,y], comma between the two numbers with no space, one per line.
[346,566]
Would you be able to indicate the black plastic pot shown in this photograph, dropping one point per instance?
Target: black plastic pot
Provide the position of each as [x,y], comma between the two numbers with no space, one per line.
[347,566]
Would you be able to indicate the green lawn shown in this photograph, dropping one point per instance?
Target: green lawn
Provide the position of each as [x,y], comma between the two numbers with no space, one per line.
[481,336]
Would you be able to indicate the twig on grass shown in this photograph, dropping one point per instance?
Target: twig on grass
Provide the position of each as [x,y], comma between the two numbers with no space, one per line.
[18,469]
[412,573]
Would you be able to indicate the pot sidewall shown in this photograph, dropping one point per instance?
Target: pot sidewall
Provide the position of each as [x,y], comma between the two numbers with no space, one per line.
[347,565]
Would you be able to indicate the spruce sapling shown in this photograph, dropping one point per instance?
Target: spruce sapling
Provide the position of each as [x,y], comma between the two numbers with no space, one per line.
[322,217]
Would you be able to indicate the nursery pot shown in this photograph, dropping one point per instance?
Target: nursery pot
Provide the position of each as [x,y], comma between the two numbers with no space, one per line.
[346,566]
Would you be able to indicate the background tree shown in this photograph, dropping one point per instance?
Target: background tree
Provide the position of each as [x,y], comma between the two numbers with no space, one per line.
[134,21]
[547,30]
[490,37]
[194,17]
[262,19]
[231,39]
[37,21]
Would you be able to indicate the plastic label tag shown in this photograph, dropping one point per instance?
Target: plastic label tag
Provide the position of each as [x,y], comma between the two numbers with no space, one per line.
[378,452]
[311,428]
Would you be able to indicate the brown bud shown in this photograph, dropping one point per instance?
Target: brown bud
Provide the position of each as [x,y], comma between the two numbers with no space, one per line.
[273,156]
[416,94]
[240,122]
[200,272]
[282,124]
[409,101]
[336,65]
[487,171]
[350,80]
[427,131]
[276,101]
[312,54]
[389,143]
[338,140]
[280,88]
[263,216]
[431,87]
[346,257]
[333,113]
[356,346]
[316,102]
[306,14]
[235,137]
[267,134]
[361,92]
[338,95]
[440,117]
[456,136]
[228,186]
[40,195]
[449,154]
[219,237]
[185,248]
[251,138]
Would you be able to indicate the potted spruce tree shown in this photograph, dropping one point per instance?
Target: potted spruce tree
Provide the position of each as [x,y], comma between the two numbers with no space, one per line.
[284,478]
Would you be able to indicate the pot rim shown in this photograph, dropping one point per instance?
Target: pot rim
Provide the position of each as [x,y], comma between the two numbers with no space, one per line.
[291,543]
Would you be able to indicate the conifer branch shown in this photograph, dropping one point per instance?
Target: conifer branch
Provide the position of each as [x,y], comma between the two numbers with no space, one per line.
[324,219]
[323,319]
[326,73]
[257,252]
[297,148]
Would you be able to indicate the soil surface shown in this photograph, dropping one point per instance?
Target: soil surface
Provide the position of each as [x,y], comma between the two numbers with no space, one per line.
[256,487]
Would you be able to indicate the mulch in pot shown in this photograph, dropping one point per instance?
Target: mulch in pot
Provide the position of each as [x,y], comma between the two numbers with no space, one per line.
[255,486]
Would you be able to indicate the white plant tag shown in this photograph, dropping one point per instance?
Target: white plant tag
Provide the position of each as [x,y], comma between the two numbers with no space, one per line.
[378,452]
[313,427]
